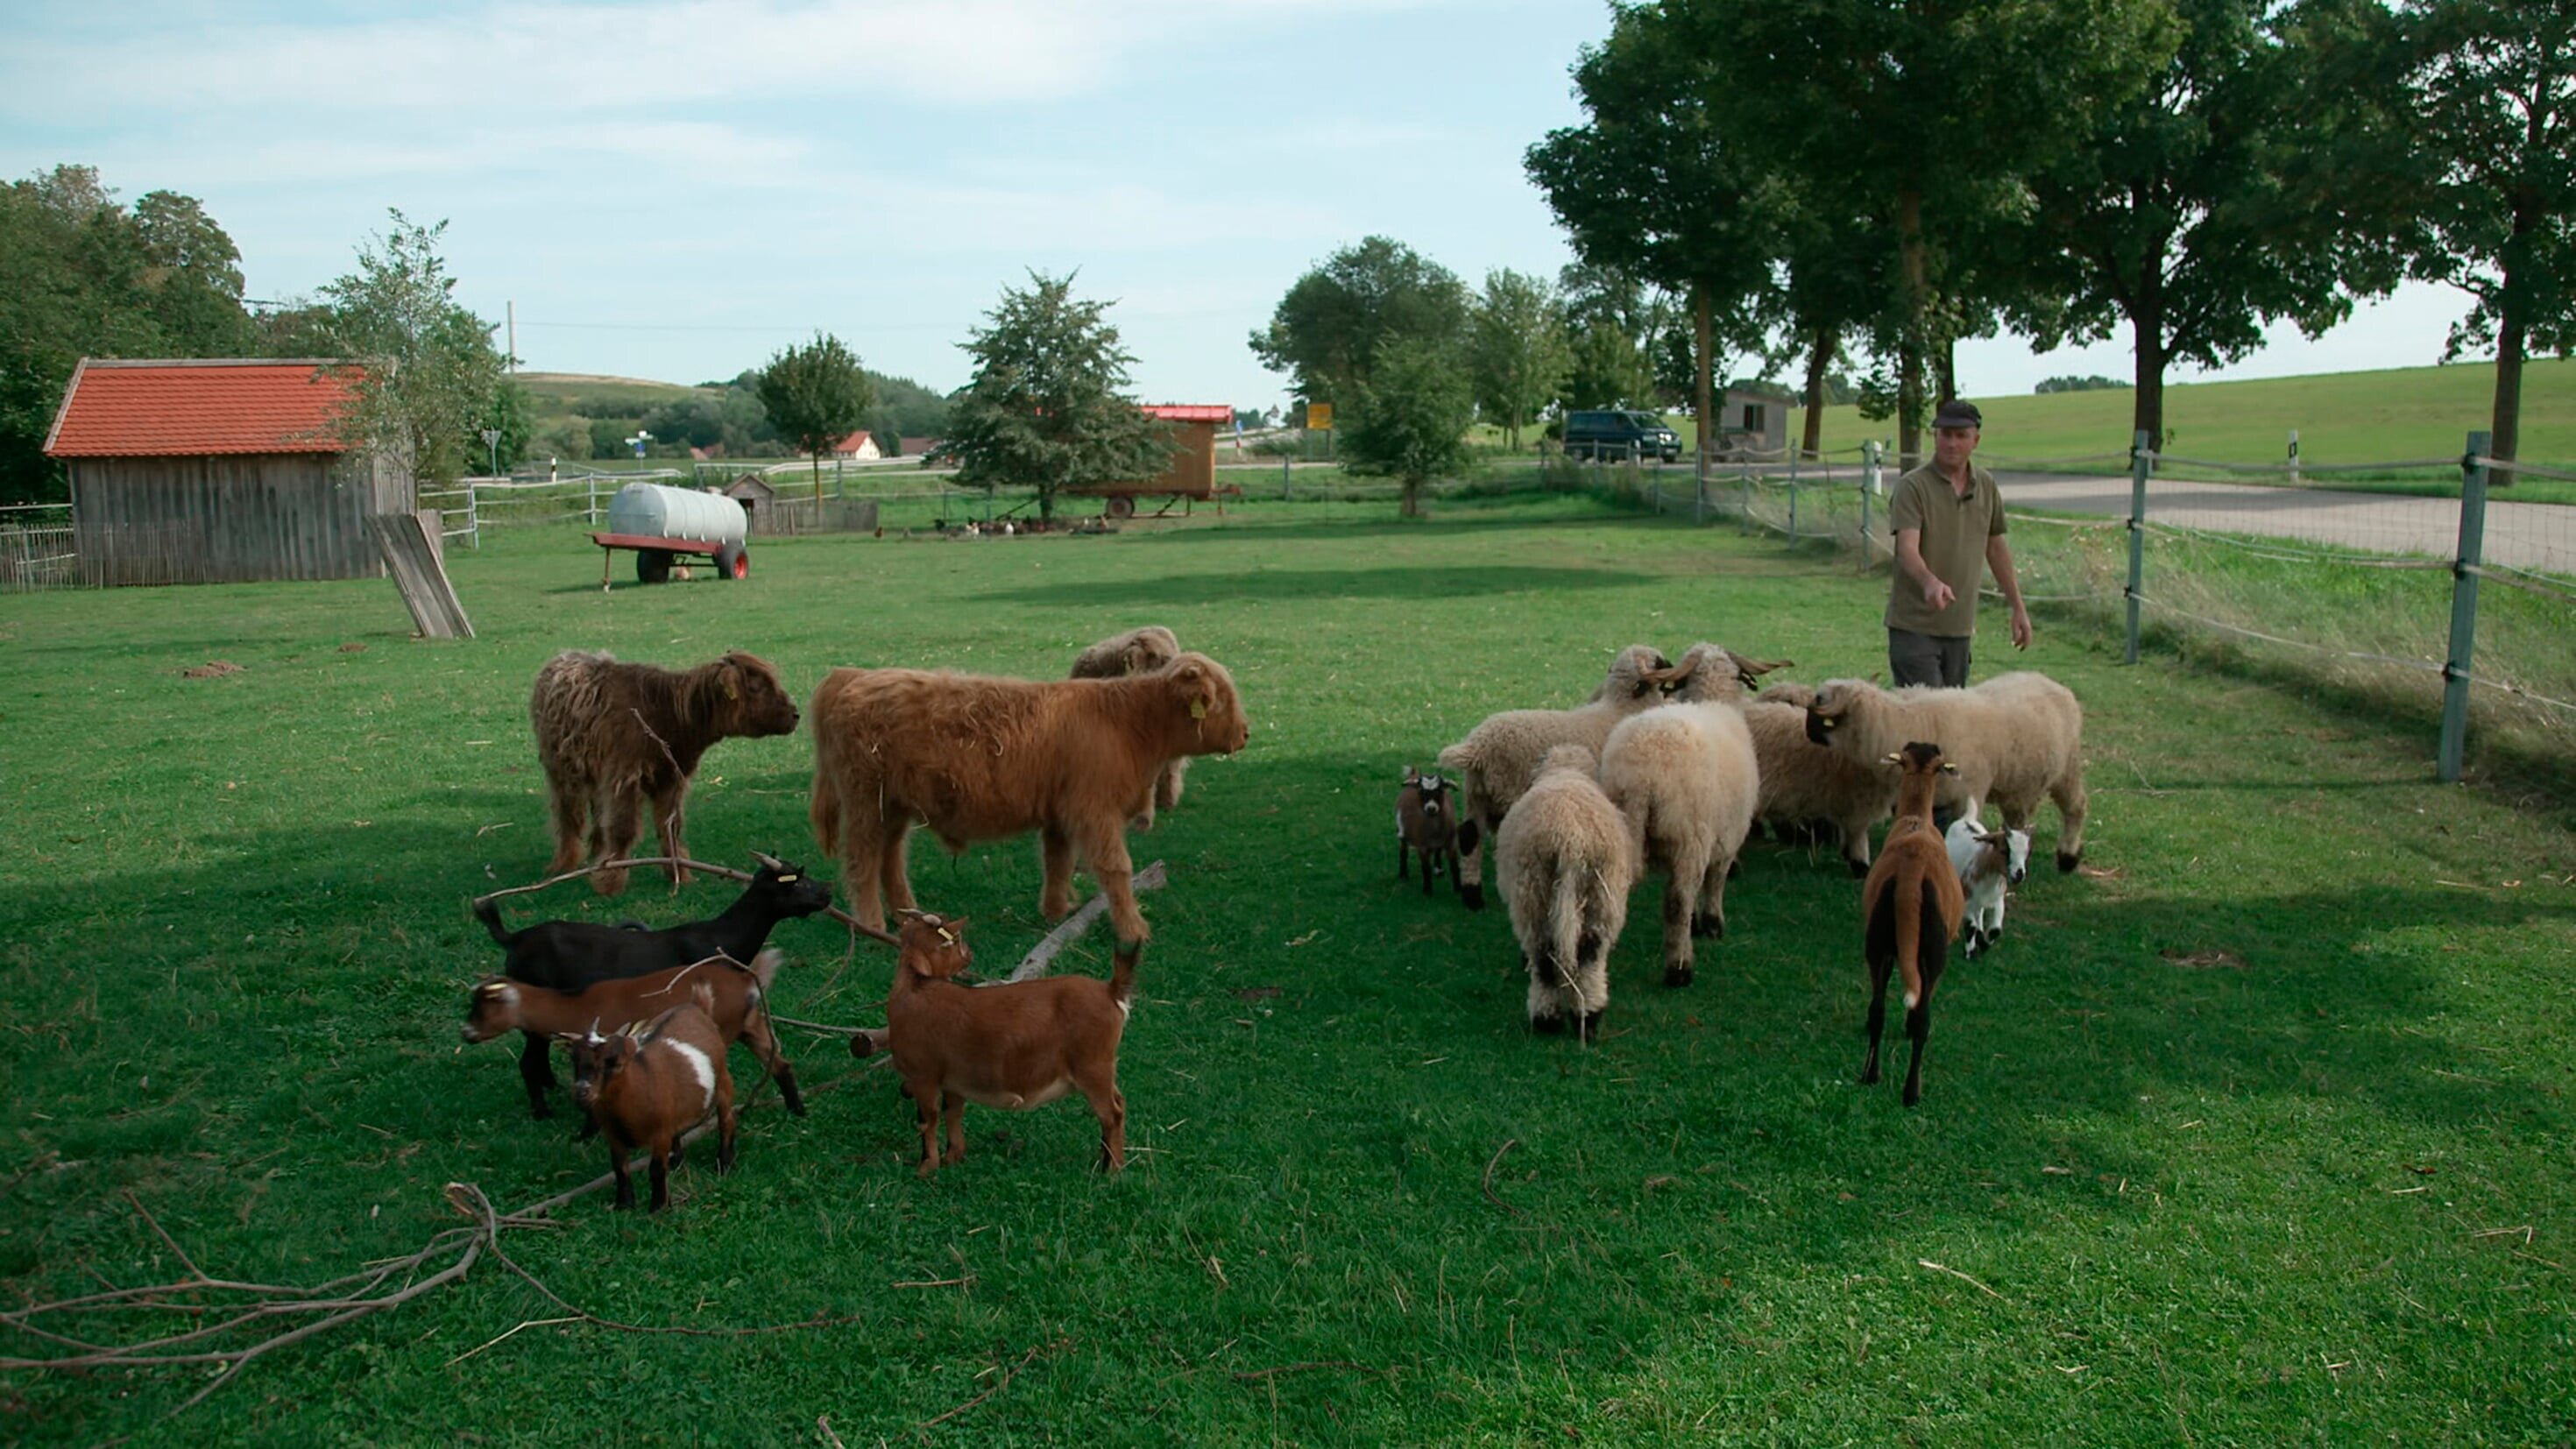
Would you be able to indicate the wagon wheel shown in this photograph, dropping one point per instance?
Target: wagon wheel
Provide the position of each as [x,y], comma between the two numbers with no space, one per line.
[733,561]
[1120,506]
[652,565]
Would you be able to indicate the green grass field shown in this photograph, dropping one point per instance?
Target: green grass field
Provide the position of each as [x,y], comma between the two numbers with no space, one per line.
[2255,1132]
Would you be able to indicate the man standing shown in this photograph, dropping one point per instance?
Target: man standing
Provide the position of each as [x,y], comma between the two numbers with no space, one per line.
[1949,526]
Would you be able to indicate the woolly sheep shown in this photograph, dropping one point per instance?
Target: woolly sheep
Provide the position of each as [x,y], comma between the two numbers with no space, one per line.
[1803,782]
[1986,861]
[1498,758]
[1564,863]
[1686,778]
[2014,738]
[1139,651]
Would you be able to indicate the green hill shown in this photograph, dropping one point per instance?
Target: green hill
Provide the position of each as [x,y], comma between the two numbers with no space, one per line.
[2344,417]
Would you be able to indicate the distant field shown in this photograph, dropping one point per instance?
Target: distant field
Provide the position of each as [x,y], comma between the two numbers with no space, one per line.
[2349,417]
[555,393]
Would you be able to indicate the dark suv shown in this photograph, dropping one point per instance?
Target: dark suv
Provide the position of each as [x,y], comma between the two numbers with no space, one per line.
[1607,434]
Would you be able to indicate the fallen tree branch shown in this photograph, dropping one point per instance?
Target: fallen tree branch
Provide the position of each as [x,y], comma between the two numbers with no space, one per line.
[1007,1375]
[1035,963]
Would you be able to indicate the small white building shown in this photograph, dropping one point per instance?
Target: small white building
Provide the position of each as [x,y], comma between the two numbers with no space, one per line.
[858,447]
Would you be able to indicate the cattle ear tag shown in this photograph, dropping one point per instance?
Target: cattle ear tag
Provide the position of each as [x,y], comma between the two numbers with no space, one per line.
[1198,709]
[730,691]
[788,879]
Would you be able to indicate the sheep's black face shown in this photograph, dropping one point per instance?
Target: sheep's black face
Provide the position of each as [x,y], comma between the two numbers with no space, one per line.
[1820,725]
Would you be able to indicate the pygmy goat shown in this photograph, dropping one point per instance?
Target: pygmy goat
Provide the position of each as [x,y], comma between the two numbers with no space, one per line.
[1910,908]
[646,1087]
[1987,861]
[573,955]
[734,995]
[1014,1046]
[1427,822]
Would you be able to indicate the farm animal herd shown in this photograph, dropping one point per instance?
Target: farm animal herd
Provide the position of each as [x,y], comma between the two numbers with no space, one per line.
[1667,768]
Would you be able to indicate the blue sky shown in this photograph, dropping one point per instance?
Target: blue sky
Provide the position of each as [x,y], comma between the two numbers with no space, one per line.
[676,190]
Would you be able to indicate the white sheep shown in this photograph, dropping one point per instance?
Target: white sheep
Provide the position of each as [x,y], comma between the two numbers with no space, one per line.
[1686,778]
[1564,863]
[1499,757]
[1804,782]
[1986,861]
[2014,738]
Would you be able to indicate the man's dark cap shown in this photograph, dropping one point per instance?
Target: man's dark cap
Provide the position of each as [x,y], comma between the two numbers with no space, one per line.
[1958,412]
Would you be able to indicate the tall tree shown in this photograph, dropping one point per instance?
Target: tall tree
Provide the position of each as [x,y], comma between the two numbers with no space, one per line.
[1047,406]
[1924,116]
[1409,422]
[2222,197]
[1660,183]
[2492,101]
[1614,320]
[816,395]
[80,276]
[1518,351]
[430,369]
[1326,332]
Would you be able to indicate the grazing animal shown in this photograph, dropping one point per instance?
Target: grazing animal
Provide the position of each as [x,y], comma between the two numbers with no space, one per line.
[1139,651]
[573,955]
[1686,777]
[645,1088]
[1987,861]
[1427,823]
[1500,756]
[2014,738]
[1013,1046]
[615,738]
[1804,782]
[1910,909]
[1564,861]
[735,996]
[980,758]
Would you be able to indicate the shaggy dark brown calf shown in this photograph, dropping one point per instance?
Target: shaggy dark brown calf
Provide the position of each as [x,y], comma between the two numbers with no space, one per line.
[617,739]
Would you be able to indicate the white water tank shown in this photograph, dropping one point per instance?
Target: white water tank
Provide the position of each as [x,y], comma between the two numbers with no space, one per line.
[660,512]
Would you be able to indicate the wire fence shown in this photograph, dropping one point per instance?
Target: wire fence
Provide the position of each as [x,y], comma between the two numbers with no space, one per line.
[36,548]
[2376,594]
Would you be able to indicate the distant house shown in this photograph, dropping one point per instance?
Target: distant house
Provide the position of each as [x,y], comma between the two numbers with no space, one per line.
[914,447]
[858,447]
[220,470]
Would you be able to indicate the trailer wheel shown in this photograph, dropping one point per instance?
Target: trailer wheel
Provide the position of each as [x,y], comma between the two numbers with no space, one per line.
[1119,506]
[652,565]
[733,561]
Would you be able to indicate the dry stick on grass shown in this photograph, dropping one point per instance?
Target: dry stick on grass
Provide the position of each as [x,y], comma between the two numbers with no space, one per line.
[1508,1144]
[725,872]
[1299,1368]
[1007,1375]
[1955,1273]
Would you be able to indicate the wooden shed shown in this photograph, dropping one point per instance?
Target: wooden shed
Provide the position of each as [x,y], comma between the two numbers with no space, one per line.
[219,470]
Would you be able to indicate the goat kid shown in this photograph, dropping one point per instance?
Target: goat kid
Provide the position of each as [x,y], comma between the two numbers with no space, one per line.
[574,955]
[733,995]
[1013,1046]
[1427,822]
[646,1088]
[1987,861]
[1910,909]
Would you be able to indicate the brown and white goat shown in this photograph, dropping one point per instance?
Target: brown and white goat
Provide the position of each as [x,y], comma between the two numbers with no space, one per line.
[647,1087]
[1427,823]
[1910,909]
[734,995]
[1014,1046]
[1139,651]
[620,739]
[981,758]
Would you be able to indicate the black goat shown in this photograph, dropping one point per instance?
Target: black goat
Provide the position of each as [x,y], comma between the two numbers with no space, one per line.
[575,955]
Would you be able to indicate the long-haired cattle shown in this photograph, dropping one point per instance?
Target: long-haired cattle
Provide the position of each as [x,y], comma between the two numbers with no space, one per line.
[616,739]
[981,758]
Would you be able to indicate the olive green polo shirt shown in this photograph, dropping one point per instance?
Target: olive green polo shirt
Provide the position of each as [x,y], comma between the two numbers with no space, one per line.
[1955,530]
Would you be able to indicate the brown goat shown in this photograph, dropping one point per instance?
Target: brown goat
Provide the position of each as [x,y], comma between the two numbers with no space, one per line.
[734,995]
[1139,651]
[1910,909]
[979,758]
[618,738]
[645,1088]
[1014,1046]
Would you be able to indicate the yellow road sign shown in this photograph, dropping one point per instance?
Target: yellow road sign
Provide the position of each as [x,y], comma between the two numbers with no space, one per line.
[1319,417]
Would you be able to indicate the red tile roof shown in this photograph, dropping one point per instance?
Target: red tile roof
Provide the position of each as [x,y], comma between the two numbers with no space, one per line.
[118,409]
[852,443]
[1191,412]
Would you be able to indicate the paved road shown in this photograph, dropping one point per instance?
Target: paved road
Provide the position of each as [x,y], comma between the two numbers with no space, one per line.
[2535,536]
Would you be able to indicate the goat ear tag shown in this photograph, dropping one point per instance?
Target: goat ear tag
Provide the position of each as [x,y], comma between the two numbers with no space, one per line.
[788,879]
[1198,709]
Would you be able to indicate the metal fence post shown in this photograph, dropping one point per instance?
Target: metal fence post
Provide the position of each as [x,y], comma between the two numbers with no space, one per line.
[2464,607]
[2139,458]
[1793,501]
[1285,461]
[1868,485]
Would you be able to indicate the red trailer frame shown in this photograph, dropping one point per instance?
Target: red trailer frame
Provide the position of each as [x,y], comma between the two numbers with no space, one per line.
[653,556]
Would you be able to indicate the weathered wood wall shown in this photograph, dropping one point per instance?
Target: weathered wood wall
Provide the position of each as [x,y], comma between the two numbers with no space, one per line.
[233,519]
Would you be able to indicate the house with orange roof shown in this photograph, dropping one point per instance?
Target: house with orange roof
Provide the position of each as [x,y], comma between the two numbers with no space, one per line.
[858,447]
[220,470]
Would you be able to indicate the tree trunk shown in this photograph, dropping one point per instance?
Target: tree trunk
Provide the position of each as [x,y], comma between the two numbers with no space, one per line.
[2147,342]
[818,484]
[1946,370]
[1412,507]
[1703,372]
[1909,382]
[1828,342]
[2511,324]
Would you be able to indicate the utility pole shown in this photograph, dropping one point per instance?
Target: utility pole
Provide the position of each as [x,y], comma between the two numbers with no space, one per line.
[511,311]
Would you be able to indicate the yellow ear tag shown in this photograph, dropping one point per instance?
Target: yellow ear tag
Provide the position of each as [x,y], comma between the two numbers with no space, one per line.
[789,879]
[731,692]
[1198,709]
